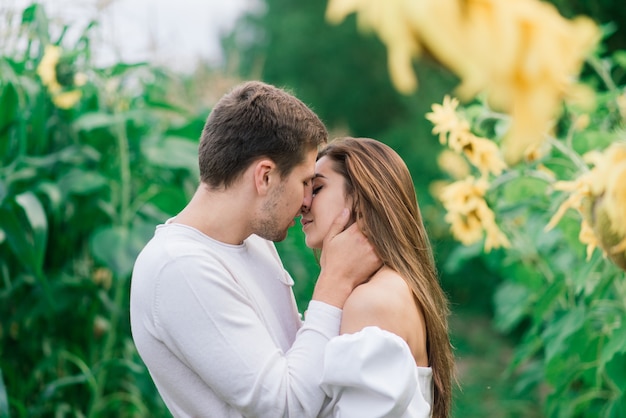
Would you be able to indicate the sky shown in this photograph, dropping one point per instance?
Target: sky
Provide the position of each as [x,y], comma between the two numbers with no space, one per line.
[171,32]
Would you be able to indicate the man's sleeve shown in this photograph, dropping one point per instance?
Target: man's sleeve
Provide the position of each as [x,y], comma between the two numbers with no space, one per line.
[210,325]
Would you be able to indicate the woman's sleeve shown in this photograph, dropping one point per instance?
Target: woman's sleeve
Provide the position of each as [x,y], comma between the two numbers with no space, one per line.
[371,373]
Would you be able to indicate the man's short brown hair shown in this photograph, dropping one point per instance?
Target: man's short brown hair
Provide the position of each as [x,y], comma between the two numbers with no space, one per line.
[256,120]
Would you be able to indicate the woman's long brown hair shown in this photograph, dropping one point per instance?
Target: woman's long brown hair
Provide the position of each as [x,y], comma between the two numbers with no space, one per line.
[385,206]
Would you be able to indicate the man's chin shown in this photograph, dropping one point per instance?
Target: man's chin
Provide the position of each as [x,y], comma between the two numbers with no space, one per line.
[277,237]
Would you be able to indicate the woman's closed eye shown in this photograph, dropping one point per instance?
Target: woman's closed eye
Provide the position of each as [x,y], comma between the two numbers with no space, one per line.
[316,189]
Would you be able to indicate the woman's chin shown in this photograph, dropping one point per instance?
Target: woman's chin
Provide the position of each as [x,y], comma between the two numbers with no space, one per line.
[314,245]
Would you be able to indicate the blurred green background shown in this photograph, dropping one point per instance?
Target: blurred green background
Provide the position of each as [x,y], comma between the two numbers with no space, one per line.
[81,189]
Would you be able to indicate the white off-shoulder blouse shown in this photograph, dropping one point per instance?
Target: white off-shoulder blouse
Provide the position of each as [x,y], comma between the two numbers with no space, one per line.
[372,374]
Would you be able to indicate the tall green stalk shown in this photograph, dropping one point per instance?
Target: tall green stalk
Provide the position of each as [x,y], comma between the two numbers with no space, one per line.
[123,220]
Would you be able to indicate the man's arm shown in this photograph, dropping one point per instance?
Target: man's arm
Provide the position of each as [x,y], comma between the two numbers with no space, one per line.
[211,325]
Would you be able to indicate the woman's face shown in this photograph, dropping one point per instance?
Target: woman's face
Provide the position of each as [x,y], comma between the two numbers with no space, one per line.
[329,199]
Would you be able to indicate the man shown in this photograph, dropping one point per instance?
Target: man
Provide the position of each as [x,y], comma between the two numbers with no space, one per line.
[212,310]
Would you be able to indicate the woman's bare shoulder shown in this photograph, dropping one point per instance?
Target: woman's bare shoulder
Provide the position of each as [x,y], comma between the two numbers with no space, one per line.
[379,302]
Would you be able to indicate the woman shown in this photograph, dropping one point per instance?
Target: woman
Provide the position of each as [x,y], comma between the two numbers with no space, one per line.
[393,357]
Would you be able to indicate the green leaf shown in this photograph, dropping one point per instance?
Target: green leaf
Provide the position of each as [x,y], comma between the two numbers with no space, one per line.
[38,222]
[9,103]
[4,399]
[172,152]
[616,344]
[16,238]
[3,191]
[168,106]
[95,120]
[121,68]
[530,377]
[620,58]
[557,371]
[35,17]
[53,194]
[592,139]
[557,332]
[522,188]
[616,406]
[52,388]
[117,247]
[526,349]
[460,255]
[525,273]
[75,155]
[586,278]
[511,301]
[167,201]
[26,228]
[547,300]
[81,182]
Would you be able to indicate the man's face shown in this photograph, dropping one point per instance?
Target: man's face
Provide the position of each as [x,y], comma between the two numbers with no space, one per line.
[286,200]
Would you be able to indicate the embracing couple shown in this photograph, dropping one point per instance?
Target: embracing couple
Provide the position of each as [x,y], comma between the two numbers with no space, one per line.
[213,314]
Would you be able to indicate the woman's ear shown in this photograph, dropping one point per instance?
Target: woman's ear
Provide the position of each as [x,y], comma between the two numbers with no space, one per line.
[264,173]
[354,211]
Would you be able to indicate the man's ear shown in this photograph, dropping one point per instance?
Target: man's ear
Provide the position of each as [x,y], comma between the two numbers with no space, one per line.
[264,175]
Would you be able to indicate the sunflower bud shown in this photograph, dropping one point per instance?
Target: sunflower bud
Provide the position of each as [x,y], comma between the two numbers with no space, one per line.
[607,208]
[102,277]
[100,326]
[603,227]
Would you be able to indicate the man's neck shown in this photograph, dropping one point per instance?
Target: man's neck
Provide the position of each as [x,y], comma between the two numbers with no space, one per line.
[223,215]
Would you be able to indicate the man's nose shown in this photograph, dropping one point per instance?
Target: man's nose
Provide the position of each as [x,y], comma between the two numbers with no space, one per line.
[308,199]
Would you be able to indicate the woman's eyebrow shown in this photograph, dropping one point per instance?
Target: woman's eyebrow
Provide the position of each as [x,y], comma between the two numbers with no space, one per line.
[318,175]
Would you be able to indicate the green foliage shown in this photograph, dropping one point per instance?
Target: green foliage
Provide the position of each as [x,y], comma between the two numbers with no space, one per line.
[81,189]
[340,74]
[566,312]
[610,13]
[482,356]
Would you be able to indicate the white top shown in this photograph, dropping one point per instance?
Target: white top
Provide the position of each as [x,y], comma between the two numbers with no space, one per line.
[372,374]
[218,328]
